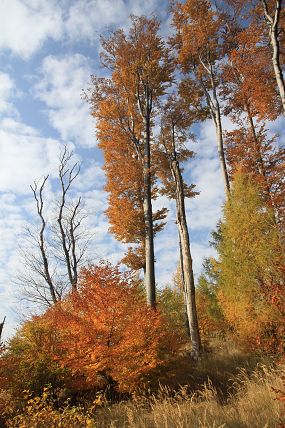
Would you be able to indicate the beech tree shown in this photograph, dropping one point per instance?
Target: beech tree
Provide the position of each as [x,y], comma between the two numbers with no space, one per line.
[141,71]
[108,331]
[125,187]
[250,99]
[171,152]
[273,13]
[261,29]
[200,47]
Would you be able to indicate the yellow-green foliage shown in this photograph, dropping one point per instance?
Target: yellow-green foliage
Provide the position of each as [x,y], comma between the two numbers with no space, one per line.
[170,301]
[40,412]
[28,363]
[249,257]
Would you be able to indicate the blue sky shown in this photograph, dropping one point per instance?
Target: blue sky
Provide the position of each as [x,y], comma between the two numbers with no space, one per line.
[48,49]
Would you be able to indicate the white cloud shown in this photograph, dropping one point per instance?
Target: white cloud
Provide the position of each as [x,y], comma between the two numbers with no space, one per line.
[24,156]
[7,88]
[26,25]
[60,87]
[204,171]
[86,19]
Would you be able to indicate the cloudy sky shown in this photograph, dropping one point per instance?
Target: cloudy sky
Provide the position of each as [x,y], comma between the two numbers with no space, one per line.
[48,49]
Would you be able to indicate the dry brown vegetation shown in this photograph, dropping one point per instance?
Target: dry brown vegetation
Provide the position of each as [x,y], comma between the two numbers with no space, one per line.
[245,400]
[228,389]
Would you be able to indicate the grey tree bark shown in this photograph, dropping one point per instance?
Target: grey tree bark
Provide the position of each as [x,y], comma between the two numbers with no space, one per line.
[173,133]
[187,265]
[147,205]
[186,319]
[1,327]
[273,22]
[215,112]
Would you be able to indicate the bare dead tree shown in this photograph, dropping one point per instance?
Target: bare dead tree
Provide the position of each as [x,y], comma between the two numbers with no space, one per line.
[57,249]
[68,226]
[43,267]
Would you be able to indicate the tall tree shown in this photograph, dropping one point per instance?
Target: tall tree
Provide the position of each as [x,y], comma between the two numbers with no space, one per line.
[272,11]
[250,99]
[260,38]
[171,152]
[201,45]
[141,72]
[124,186]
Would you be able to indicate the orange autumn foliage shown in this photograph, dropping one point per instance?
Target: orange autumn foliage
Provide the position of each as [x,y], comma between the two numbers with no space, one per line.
[120,135]
[248,75]
[109,330]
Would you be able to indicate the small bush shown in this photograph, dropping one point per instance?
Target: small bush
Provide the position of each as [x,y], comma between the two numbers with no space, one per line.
[40,412]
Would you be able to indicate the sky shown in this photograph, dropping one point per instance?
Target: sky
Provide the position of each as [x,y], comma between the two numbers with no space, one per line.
[48,50]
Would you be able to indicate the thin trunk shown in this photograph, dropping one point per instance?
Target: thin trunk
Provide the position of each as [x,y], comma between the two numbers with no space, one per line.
[215,111]
[69,248]
[147,206]
[1,327]
[221,151]
[46,269]
[186,262]
[186,319]
[219,133]
[260,163]
[273,36]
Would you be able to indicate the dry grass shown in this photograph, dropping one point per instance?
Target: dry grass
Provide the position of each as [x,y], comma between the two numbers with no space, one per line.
[215,394]
[252,403]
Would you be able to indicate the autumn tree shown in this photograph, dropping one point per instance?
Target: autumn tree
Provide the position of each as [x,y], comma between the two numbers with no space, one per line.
[171,153]
[251,258]
[201,47]
[141,71]
[273,14]
[250,98]
[259,39]
[109,331]
[124,186]
[27,362]
[55,250]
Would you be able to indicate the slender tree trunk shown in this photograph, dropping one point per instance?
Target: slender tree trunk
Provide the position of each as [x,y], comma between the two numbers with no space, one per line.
[221,151]
[38,196]
[189,290]
[215,111]
[147,206]
[277,68]
[260,163]
[273,36]
[216,114]
[186,319]
[1,327]
[47,274]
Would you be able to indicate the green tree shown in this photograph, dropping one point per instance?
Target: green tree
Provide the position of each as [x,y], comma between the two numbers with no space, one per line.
[251,258]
